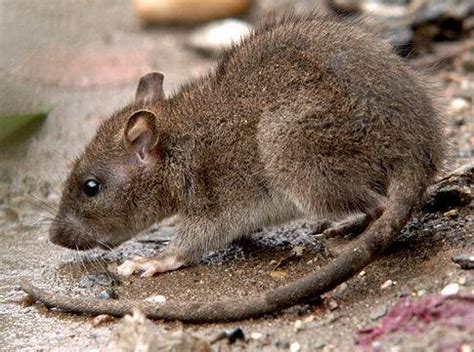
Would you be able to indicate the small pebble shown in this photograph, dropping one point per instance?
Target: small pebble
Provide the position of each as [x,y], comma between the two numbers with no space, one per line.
[309,319]
[362,273]
[256,336]
[318,344]
[459,105]
[341,288]
[420,293]
[102,319]
[295,347]
[332,304]
[387,284]
[234,335]
[451,213]
[298,251]
[230,335]
[376,346]
[449,290]
[279,274]
[462,280]
[159,299]
[379,312]
[109,293]
[298,325]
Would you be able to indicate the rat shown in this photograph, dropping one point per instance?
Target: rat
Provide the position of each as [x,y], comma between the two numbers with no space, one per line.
[307,117]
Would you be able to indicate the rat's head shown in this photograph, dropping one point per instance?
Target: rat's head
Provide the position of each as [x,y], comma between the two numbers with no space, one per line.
[114,188]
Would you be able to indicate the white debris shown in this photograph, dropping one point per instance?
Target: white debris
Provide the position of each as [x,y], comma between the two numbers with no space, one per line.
[295,347]
[256,335]
[298,325]
[219,35]
[380,9]
[102,319]
[449,290]
[459,105]
[387,284]
[159,299]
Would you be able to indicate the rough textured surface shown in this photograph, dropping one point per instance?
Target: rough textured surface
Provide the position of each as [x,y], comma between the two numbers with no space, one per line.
[30,174]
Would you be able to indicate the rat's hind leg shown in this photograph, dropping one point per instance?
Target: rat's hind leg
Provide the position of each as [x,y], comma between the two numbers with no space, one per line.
[334,199]
[317,225]
[354,225]
[318,163]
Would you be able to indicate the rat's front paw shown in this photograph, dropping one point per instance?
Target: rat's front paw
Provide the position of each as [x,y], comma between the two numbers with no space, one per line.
[150,266]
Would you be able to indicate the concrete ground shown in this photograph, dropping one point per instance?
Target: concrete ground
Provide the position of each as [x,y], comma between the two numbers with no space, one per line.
[82,60]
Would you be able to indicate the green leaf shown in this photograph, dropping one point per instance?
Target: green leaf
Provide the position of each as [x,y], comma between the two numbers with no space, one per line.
[12,124]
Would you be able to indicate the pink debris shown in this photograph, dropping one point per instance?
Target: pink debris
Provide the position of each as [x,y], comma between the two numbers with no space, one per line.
[415,316]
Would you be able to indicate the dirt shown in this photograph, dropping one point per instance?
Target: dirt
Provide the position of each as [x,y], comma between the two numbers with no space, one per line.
[44,38]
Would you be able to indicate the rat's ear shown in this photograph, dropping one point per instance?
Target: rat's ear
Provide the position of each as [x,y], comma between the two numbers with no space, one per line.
[141,135]
[150,87]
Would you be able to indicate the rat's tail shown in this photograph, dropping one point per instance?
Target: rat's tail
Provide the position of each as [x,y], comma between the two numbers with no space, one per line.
[404,193]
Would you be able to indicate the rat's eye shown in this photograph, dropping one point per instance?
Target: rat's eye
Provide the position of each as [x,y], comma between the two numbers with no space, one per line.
[91,187]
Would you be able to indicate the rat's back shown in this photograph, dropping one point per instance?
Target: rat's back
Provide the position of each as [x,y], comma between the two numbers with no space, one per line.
[336,114]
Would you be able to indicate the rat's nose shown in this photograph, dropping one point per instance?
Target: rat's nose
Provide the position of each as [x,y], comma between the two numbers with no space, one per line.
[64,237]
[58,236]
[55,234]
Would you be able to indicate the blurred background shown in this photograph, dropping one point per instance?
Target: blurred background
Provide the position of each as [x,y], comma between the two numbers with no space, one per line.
[66,65]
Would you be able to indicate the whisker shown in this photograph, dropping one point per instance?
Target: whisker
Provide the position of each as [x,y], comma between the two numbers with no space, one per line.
[81,260]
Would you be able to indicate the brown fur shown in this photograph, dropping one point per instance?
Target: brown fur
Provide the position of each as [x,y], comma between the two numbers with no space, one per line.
[307,117]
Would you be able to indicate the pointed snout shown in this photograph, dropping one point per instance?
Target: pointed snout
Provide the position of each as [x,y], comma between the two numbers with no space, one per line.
[65,235]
